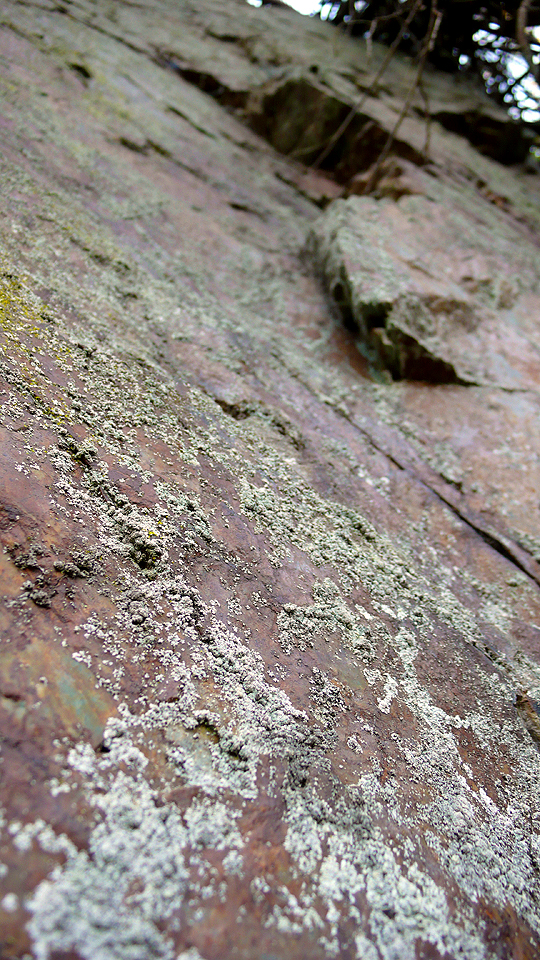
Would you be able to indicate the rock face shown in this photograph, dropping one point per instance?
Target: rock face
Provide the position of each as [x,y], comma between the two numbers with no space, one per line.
[428,291]
[270,656]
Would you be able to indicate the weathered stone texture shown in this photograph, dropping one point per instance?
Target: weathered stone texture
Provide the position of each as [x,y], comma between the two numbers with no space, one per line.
[270,656]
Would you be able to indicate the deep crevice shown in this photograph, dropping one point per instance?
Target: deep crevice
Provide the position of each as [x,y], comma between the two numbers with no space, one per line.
[505,141]
[503,545]
[82,72]
[203,80]
[240,410]
[299,116]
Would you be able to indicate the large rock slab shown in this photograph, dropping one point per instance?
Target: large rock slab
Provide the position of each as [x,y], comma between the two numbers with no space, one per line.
[269,662]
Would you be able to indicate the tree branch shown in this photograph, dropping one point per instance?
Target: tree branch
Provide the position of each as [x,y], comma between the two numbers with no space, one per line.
[358,106]
[431,36]
[522,38]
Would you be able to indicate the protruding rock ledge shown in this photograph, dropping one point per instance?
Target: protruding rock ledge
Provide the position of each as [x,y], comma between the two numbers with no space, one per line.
[425,305]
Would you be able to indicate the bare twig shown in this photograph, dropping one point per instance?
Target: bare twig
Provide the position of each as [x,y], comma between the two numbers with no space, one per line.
[437,18]
[523,39]
[382,17]
[369,38]
[360,103]
[425,97]
[431,36]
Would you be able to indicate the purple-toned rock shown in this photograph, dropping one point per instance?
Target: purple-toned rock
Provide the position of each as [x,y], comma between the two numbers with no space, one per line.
[269,655]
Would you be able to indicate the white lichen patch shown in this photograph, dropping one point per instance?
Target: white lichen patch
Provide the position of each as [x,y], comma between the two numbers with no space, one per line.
[340,864]
[390,691]
[329,616]
[265,720]
[133,874]
[106,902]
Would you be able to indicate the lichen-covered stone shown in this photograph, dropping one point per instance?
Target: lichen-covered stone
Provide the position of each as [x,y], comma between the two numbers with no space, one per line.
[269,665]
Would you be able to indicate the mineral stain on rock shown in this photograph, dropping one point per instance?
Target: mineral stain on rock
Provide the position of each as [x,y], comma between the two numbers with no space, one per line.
[529,711]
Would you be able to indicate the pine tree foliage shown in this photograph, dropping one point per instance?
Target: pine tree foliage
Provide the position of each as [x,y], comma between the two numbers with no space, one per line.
[500,41]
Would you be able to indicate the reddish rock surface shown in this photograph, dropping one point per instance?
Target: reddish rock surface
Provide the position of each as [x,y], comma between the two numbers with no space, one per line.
[270,655]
